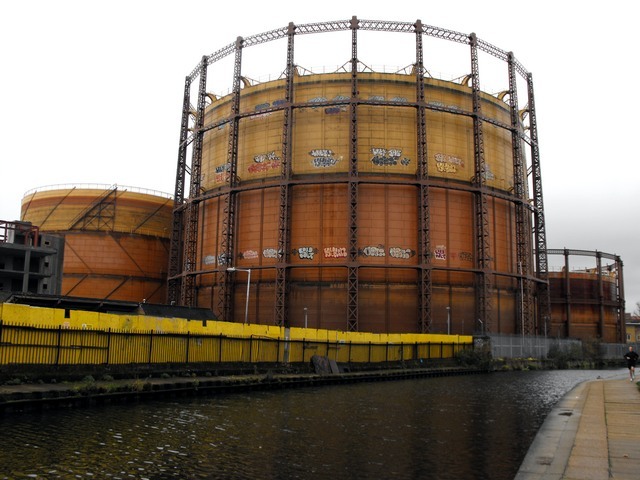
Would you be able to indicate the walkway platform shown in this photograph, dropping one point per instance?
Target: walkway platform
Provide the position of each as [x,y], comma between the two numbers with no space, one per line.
[593,433]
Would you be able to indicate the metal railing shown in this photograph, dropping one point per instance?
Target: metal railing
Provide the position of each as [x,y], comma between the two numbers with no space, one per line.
[519,346]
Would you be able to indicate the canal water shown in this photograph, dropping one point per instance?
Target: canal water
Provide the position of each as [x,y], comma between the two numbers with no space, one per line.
[463,427]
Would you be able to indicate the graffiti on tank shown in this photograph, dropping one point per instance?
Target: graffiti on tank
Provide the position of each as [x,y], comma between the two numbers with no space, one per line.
[222,177]
[488,174]
[260,115]
[334,110]
[372,251]
[376,98]
[248,255]
[448,163]
[337,108]
[264,162]
[276,103]
[398,99]
[440,253]
[210,260]
[222,173]
[317,100]
[264,157]
[223,260]
[305,253]
[323,158]
[335,252]
[385,157]
[466,257]
[270,253]
[398,252]
[440,104]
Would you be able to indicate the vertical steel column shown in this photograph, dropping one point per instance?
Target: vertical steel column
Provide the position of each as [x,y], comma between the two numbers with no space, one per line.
[174,285]
[424,259]
[352,267]
[188,292]
[227,242]
[540,230]
[483,300]
[284,221]
[600,295]
[523,252]
[621,327]
[567,291]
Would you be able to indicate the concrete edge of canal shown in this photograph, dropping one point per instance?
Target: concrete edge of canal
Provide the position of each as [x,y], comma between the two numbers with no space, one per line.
[28,397]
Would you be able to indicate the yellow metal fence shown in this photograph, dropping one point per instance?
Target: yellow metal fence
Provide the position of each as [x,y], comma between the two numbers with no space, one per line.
[28,344]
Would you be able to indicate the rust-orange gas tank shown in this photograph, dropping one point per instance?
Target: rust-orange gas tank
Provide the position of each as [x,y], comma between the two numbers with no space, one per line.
[116,238]
[387,204]
[587,302]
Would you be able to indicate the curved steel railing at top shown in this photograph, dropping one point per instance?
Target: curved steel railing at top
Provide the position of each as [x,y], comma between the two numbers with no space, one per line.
[355,23]
[97,186]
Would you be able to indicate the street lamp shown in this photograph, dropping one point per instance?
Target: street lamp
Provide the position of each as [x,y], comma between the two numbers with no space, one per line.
[246,306]
[448,320]
[521,303]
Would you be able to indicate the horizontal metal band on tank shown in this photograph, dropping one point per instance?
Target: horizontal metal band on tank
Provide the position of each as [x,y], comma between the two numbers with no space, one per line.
[194,273]
[329,103]
[115,276]
[344,179]
[342,25]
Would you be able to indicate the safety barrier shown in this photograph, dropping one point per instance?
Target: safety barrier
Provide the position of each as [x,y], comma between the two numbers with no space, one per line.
[36,345]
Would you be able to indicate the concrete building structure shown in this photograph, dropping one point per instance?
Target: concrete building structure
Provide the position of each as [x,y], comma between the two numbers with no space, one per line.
[30,262]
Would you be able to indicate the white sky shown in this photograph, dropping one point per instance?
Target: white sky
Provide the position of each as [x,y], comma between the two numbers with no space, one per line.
[91,92]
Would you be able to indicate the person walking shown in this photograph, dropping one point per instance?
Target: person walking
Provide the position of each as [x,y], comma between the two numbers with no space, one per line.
[632,359]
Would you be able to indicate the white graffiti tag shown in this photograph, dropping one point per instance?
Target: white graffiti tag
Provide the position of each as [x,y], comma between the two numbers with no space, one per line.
[306,253]
[391,156]
[323,158]
[373,251]
[397,252]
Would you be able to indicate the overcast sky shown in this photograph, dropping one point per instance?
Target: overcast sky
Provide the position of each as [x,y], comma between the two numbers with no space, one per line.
[91,92]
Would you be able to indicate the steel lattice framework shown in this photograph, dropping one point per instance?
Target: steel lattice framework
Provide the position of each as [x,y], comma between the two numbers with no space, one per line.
[100,215]
[182,285]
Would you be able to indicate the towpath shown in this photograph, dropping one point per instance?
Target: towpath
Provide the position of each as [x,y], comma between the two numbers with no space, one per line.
[593,433]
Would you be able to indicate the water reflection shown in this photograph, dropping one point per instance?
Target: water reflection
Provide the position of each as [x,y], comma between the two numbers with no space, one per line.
[477,426]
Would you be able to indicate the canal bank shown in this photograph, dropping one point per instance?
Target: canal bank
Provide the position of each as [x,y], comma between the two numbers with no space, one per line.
[27,397]
[592,433]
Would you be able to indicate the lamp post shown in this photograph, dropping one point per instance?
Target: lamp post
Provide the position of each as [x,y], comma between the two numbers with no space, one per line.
[246,306]
[521,305]
[448,320]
